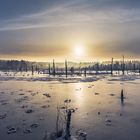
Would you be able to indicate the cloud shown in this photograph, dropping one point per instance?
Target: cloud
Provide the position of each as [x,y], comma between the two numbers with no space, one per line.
[54,14]
[25,26]
[33,50]
[116,49]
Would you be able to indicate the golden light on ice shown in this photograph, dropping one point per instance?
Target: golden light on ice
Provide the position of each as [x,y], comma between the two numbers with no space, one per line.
[79,50]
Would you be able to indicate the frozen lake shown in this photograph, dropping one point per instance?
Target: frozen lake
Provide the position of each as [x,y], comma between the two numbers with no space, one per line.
[100,111]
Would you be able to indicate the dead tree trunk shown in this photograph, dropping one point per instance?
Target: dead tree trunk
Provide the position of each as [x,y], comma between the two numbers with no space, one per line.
[134,68]
[66,68]
[53,67]
[49,69]
[112,66]
[68,125]
[26,69]
[72,71]
[122,96]
[32,70]
[123,66]
[85,71]
[38,70]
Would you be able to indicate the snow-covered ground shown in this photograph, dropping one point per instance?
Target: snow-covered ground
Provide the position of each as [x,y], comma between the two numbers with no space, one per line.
[28,105]
[27,76]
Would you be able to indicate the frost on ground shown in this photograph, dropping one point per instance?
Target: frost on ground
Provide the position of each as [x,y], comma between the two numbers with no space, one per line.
[27,76]
[28,110]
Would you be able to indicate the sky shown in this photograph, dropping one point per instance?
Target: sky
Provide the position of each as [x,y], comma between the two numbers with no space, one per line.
[77,30]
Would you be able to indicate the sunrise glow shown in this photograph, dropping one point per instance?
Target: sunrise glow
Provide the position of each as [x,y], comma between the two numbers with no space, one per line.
[79,50]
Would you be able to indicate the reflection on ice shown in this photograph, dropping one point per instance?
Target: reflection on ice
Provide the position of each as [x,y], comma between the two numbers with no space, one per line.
[100,108]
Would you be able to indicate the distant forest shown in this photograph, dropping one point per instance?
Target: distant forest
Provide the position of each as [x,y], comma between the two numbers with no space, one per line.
[15,65]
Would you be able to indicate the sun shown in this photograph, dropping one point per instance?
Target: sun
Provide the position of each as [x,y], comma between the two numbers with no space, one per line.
[79,50]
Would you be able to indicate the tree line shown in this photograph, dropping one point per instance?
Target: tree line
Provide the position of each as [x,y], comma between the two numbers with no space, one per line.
[71,68]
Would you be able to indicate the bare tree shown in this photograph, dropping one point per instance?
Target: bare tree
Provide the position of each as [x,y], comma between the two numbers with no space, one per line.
[54,72]
[123,65]
[112,66]
[66,68]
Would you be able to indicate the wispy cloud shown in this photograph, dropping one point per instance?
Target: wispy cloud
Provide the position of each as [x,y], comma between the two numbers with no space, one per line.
[59,20]
[71,13]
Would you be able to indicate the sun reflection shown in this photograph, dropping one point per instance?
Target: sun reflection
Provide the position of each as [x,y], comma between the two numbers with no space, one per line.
[79,94]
